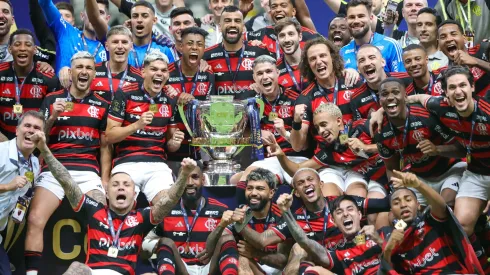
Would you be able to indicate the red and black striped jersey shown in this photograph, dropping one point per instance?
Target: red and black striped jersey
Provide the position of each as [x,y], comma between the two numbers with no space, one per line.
[285,78]
[101,86]
[421,126]
[203,87]
[36,86]
[365,100]
[174,227]
[358,259]
[268,37]
[147,145]
[460,127]
[75,136]
[137,224]
[434,84]
[341,155]
[428,248]
[224,75]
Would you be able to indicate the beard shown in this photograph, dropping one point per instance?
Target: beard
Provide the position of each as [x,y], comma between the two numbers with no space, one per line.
[192,198]
[360,34]
[232,40]
[257,207]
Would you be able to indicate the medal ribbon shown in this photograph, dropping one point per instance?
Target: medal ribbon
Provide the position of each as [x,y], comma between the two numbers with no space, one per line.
[462,15]
[473,122]
[186,219]
[299,86]
[18,90]
[405,132]
[325,221]
[182,80]
[85,46]
[266,224]
[115,236]
[335,91]
[228,64]
[109,76]
[135,55]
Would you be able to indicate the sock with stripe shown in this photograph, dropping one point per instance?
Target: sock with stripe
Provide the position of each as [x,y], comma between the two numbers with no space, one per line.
[240,193]
[228,255]
[33,261]
[166,260]
[303,266]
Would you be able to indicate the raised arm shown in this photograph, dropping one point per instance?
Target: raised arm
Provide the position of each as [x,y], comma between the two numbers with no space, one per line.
[334,5]
[303,14]
[214,236]
[43,33]
[299,135]
[99,24]
[50,11]
[420,98]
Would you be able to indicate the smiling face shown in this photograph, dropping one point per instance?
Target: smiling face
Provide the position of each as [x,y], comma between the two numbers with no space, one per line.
[415,62]
[180,23]
[258,194]
[459,92]
[82,73]
[155,76]
[280,9]
[338,32]
[320,61]
[266,76]
[328,126]
[193,188]
[142,21]
[121,193]
[404,205]
[347,218]
[232,26]
[6,19]
[25,130]
[411,8]
[371,64]
[359,21]
[217,6]
[193,49]
[451,40]
[307,186]
[23,50]
[119,46]
[392,98]
[289,39]
[426,28]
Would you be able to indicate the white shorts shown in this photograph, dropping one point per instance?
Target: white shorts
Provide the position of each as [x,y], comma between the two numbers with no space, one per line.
[272,164]
[197,269]
[104,272]
[268,270]
[149,177]
[450,179]
[374,186]
[87,181]
[474,186]
[341,177]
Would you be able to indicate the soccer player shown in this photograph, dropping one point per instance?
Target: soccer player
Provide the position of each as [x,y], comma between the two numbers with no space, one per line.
[359,14]
[143,125]
[76,121]
[338,31]
[116,73]
[22,84]
[180,19]
[214,33]
[122,226]
[180,241]
[416,62]
[427,21]
[409,136]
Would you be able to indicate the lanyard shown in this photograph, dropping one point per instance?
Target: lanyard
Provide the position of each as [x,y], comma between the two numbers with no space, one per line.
[431,83]
[266,224]
[466,18]
[335,91]
[18,90]
[26,163]
[182,81]
[70,99]
[115,236]
[405,38]
[186,220]
[135,55]
[356,48]
[299,86]
[404,140]
[373,94]
[85,46]
[325,221]
[278,49]
[473,122]
[228,63]
[109,76]
[273,104]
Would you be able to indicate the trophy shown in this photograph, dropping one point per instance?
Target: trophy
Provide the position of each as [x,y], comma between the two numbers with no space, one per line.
[217,126]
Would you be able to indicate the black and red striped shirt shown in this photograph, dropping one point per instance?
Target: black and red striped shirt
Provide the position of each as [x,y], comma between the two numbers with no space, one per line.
[36,86]
[147,145]
[101,86]
[421,126]
[174,228]
[76,135]
[461,128]
[137,224]
[434,84]
[285,78]
[216,58]
[365,100]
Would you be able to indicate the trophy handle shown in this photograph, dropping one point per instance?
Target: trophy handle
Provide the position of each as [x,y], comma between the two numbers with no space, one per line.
[184,119]
[261,104]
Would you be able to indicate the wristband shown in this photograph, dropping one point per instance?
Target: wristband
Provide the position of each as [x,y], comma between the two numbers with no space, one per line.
[297,125]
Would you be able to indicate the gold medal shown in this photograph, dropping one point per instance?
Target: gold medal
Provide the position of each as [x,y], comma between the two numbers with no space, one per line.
[360,239]
[153,108]
[468,158]
[400,225]
[69,106]
[113,251]
[17,109]
[30,176]
[343,138]
[272,116]
[186,249]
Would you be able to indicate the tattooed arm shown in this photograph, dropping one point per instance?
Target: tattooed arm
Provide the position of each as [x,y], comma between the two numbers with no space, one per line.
[72,191]
[172,195]
[279,259]
[213,237]
[260,240]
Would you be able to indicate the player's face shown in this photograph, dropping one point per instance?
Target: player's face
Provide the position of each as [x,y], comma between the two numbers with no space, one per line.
[23,50]
[165,3]
[289,39]
[338,32]
[102,13]
[377,5]
[6,19]
[121,193]
[258,194]
[392,97]
[82,73]
[280,9]
[370,64]
[450,40]
[23,132]
[404,205]
[68,16]
[193,49]
[327,126]
[142,21]
[459,92]
[155,76]
[320,61]
[119,46]
[193,189]
[426,28]
[411,8]
[347,218]
[180,23]
[217,6]
[359,21]
[232,26]
[415,62]
[266,76]
[307,186]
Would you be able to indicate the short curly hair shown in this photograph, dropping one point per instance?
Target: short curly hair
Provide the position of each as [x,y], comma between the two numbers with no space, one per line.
[337,61]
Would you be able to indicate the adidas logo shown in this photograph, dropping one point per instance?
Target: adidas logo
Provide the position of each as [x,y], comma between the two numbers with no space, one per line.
[7,92]
[99,84]
[306,227]
[218,66]
[179,224]
[137,109]
[284,82]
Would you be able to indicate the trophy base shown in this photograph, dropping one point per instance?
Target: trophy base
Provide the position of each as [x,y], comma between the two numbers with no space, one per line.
[220,172]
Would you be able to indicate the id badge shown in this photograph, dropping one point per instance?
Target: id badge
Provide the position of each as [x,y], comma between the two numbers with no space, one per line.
[17,109]
[20,211]
[113,251]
